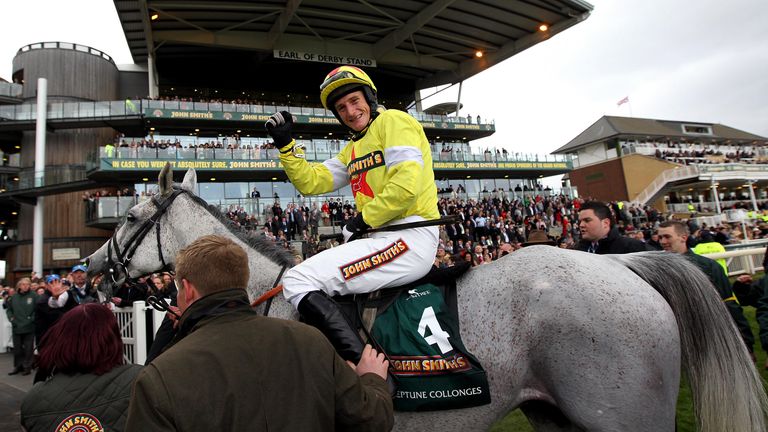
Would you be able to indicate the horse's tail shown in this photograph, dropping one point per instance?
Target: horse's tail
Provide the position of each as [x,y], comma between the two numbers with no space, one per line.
[728,393]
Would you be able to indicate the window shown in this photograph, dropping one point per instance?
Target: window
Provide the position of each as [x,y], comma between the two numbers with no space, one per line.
[693,129]
[236,190]
[211,191]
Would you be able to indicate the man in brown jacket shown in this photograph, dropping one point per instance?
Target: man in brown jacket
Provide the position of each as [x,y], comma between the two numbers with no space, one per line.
[229,369]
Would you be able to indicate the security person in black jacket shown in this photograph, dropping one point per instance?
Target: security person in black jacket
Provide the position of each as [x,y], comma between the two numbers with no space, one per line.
[599,234]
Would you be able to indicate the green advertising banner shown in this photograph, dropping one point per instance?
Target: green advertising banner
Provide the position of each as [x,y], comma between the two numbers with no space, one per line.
[300,118]
[156,164]
[269,164]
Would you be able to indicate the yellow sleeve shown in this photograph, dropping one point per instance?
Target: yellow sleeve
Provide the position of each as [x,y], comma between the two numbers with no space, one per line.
[312,178]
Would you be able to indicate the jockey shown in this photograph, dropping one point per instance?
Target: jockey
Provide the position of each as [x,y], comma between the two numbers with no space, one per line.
[389,166]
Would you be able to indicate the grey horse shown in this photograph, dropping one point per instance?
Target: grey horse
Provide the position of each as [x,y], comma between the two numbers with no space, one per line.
[579,342]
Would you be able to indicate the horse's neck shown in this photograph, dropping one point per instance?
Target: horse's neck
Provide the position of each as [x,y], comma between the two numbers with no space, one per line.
[263,272]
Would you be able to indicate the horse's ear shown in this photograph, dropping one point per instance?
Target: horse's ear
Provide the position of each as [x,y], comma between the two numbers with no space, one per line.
[165,180]
[190,181]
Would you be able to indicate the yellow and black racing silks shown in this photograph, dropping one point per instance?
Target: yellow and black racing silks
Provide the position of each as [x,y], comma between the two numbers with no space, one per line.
[389,170]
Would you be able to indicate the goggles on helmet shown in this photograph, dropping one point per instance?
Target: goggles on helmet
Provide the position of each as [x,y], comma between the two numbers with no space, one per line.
[342,80]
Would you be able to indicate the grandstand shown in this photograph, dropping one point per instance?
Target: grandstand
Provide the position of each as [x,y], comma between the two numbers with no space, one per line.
[206,77]
[669,164]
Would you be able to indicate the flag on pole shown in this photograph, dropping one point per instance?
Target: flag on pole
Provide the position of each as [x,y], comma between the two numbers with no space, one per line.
[623,101]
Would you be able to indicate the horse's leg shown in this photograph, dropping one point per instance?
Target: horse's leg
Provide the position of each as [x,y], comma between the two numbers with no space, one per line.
[545,417]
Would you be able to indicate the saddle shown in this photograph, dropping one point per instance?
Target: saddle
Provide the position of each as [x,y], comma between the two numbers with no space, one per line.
[417,327]
[363,309]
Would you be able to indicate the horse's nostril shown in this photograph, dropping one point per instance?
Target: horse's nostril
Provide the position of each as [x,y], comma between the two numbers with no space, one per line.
[87,262]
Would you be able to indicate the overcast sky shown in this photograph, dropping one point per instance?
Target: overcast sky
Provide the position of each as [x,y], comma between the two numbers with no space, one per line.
[693,60]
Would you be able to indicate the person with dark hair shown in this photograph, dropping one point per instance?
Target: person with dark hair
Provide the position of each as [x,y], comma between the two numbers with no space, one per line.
[673,236]
[84,380]
[256,373]
[599,233]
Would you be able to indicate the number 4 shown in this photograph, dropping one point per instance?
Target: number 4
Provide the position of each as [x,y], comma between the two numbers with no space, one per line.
[438,336]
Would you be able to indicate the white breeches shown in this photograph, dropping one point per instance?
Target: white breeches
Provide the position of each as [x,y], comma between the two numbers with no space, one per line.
[384,259]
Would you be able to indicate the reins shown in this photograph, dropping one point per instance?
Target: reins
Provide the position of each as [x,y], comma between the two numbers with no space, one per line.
[269,296]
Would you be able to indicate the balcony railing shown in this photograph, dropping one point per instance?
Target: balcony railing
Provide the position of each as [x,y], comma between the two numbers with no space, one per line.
[129,107]
[53,176]
[10,89]
[312,152]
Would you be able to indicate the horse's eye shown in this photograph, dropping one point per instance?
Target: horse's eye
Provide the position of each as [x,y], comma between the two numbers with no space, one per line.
[130,218]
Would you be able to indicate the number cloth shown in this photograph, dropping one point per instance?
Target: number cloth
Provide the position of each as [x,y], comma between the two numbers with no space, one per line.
[433,369]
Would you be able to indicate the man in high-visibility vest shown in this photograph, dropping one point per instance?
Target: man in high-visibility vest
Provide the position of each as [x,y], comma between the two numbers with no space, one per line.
[673,236]
[109,150]
[708,245]
[691,208]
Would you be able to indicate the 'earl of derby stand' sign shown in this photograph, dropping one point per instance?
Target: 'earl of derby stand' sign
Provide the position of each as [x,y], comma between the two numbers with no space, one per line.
[324,57]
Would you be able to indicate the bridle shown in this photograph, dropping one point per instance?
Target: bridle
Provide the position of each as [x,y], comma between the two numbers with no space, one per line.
[123,257]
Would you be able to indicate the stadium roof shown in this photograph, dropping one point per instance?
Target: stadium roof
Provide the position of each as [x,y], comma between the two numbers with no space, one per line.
[416,43]
[612,127]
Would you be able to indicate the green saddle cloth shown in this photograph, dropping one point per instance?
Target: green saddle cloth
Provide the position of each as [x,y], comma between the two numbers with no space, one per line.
[432,369]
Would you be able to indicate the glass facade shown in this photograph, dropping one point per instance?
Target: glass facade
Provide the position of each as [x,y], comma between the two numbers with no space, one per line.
[238,194]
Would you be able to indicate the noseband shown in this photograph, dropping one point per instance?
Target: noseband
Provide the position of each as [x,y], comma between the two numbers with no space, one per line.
[123,258]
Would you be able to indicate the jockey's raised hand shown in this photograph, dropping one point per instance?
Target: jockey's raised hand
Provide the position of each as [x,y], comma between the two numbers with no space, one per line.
[354,228]
[279,128]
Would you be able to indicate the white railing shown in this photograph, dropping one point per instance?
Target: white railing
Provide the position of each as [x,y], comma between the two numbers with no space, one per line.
[132,322]
[133,331]
[6,331]
[742,261]
[672,174]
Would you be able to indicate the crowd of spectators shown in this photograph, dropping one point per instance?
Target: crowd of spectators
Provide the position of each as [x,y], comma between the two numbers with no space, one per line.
[91,199]
[700,155]
[490,227]
[229,142]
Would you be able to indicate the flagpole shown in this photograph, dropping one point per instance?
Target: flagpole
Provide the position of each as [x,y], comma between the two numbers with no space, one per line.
[630,108]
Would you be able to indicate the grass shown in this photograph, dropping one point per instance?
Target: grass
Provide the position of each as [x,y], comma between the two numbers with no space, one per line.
[517,422]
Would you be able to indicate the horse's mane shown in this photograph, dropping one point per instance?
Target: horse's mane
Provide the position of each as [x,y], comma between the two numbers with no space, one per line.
[268,248]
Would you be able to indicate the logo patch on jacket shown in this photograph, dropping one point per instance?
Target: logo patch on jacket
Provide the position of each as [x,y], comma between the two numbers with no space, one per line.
[374,260]
[358,169]
[80,422]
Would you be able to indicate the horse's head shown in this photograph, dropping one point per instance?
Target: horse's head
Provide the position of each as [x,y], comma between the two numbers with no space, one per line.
[143,243]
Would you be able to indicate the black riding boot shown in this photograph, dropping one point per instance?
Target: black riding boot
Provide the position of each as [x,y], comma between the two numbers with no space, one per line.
[322,312]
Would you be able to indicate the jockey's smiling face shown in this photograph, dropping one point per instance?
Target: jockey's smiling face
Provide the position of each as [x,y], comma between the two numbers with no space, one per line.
[592,227]
[354,110]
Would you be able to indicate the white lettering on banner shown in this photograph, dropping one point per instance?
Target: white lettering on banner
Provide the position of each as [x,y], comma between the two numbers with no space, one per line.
[439,336]
[438,394]
[324,58]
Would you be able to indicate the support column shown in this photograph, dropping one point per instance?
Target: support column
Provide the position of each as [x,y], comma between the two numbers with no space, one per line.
[39,175]
[751,184]
[152,76]
[458,100]
[417,98]
[716,197]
